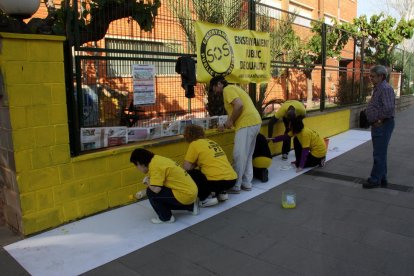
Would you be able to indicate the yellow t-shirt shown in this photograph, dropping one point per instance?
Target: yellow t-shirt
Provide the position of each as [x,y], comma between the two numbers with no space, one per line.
[309,138]
[249,116]
[299,109]
[165,172]
[212,160]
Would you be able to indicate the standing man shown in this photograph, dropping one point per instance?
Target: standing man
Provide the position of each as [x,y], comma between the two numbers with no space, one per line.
[242,114]
[380,114]
[288,111]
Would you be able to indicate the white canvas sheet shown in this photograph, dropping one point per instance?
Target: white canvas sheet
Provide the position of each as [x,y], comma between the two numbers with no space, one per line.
[88,243]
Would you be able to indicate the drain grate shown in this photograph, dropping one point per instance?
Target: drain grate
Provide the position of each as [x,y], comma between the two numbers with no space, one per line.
[358,180]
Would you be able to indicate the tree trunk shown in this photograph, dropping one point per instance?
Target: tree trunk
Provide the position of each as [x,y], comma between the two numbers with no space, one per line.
[287,83]
[309,90]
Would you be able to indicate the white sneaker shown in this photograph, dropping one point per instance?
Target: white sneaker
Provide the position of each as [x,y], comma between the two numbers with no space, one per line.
[284,157]
[223,196]
[246,188]
[158,221]
[322,163]
[210,201]
[233,190]
[196,209]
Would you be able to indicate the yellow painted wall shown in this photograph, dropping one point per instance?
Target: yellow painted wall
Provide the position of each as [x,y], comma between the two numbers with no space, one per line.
[54,188]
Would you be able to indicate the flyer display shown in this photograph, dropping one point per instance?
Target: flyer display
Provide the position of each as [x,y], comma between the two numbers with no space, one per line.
[143,83]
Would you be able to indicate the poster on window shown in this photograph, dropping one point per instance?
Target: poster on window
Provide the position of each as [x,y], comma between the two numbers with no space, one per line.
[144,83]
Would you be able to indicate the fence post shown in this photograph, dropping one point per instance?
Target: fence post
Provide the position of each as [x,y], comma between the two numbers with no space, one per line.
[402,74]
[252,26]
[353,72]
[73,113]
[361,70]
[323,71]
[410,77]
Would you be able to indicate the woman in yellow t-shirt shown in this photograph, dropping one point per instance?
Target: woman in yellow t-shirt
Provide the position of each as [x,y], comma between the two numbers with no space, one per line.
[310,147]
[215,173]
[169,186]
[289,110]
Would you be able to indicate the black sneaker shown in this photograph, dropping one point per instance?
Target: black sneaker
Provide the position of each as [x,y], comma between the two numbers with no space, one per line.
[265,176]
[370,185]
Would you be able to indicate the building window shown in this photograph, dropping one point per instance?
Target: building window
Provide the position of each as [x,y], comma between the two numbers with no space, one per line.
[273,13]
[122,67]
[329,20]
[303,17]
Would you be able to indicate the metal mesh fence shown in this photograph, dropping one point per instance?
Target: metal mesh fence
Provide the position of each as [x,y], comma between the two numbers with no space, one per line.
[105,65]
[408,73]
[104,80]
[103,61]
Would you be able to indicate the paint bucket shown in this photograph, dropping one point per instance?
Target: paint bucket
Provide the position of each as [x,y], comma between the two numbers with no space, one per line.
[326,142]
[288,199]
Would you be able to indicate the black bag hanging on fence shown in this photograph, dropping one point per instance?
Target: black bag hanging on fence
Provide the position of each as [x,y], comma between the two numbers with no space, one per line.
[185,66]
[363,121]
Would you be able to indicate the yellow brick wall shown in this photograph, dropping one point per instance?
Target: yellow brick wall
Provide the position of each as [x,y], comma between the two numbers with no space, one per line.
[34,94]
[52,188]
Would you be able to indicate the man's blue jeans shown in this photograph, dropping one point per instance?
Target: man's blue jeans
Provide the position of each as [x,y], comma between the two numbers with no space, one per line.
[381,136]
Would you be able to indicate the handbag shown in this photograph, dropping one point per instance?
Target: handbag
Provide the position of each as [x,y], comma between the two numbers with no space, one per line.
[363,121]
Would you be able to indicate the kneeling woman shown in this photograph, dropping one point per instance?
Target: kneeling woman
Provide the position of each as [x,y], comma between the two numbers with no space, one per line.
[215,174]
[310,147]
[169,186]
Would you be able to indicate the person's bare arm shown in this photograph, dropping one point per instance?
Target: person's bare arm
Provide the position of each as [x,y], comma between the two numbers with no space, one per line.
[155,189]
[270,126]
[188,165]
[237,110]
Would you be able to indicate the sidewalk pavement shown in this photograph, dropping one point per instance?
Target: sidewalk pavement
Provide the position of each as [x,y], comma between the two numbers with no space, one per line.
[338,228]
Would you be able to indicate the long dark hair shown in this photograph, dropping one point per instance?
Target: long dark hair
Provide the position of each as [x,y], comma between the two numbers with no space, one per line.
[296,125]
[217,79]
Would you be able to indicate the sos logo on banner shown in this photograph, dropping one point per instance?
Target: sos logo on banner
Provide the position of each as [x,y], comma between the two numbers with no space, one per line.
[217,55]
[242,56]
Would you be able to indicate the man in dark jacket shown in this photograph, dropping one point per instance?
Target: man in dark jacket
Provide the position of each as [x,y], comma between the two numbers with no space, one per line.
[380,114]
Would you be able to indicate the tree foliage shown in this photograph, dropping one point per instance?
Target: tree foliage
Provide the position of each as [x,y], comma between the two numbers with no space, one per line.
[310,54]
[226,12]
[284,46]
[337,37]
[382,35]
[404,8]
[284,43]
[92,22]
